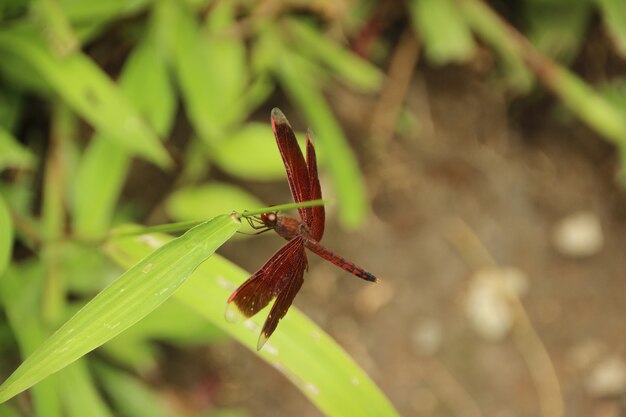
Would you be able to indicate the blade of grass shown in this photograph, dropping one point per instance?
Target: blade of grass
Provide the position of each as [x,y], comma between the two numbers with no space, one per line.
[207,200]
[481,19]
[54,25]
[300,350]
[199,61]
[443,30]
[79,394]
[558,28]
[6,411]
[53,210]
[250,153]
[12,153]
[129,395]
[6,236]
[127,300]
[348,66]
[105,164]
[87,89]
[182,226]
[101,11]
[614,15]
[20,290]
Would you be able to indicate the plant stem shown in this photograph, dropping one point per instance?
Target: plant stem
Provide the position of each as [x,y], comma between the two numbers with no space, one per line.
[184,226]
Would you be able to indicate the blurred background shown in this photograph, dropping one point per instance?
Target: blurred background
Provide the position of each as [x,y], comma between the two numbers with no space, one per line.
[472,151]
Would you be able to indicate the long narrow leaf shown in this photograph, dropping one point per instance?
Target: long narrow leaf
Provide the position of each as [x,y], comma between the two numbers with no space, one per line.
[6,236]
[127,300]
[487,27]
[21,293]
[79,394]
[446,35]
[103,169]
[614,14]
[87,89]
[350,67]
[200,63]
[12,153]
[299,349]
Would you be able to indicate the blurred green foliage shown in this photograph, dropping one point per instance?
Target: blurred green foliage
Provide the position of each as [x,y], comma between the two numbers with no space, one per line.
[214,64]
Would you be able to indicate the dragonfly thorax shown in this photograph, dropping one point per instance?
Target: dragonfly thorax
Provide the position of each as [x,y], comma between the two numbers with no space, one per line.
[290,227]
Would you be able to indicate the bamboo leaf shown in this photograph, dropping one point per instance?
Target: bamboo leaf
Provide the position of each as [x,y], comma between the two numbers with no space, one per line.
[79,393]
[614,14]
[351,68]
[204,201]
[299,349]
[6,236]
[81,11]
[55,26]
[493,32]
[87,90]
[557,28]
[251,153]
[209,68]
[130,396]
[446,35]
[140,290]
[12,153]
[21,290]
[104,167]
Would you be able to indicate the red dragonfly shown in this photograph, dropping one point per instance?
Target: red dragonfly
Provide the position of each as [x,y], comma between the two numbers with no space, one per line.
[281,276]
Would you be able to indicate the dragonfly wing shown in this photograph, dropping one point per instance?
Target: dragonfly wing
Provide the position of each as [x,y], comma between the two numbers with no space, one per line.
[268,282]
[296,167]
[283,301]
[316,226]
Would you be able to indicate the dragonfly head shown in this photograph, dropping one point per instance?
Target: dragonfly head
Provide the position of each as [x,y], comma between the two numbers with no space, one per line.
[270,219]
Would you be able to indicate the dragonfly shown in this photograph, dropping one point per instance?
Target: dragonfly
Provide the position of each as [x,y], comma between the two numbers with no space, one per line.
[282,275]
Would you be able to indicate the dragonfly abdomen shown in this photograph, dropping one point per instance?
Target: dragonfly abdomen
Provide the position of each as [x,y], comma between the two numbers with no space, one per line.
[341,262]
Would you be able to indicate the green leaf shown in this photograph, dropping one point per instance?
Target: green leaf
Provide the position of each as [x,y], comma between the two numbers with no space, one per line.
[79,393]
[226,47]
[11,107]
[85,269]
[348,66]
[488,27]
[210,68]
[105,164]
[205,201]
[6,236]
[558,28]
[6,411]
[130,396]
[12,153]
[251,153]
[123,303]
[614,14]
[87,89]
[445,34]
[299,349]
[329,136]
[54,25]
[21,291]
[135,347]
[81,11]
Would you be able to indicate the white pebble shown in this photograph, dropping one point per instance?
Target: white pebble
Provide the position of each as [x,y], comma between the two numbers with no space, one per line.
[608,377]
[578,235]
